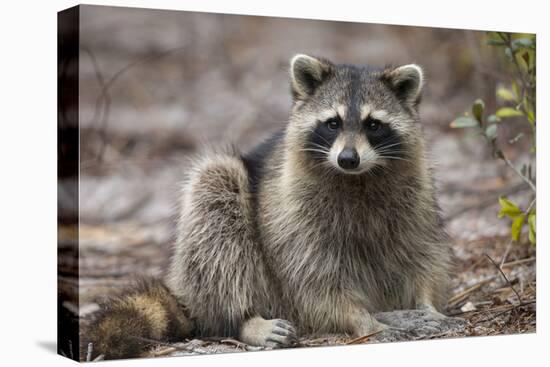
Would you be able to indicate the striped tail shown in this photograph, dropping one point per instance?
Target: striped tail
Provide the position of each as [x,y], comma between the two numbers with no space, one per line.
[130,324]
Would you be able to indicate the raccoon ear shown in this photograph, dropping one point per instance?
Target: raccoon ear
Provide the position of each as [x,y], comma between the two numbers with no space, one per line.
[406,82]
[307,74]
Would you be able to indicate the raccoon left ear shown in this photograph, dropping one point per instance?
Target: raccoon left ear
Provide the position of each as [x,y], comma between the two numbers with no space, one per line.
[307,73]
[406,81]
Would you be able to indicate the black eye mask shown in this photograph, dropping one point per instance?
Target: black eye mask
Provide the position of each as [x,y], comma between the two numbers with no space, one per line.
[322,137]
[385,140]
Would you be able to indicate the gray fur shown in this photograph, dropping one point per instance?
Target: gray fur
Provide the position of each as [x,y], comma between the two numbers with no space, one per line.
[310,244]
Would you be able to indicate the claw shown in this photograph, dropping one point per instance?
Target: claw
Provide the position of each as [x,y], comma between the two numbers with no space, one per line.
[285,325]
[281,331]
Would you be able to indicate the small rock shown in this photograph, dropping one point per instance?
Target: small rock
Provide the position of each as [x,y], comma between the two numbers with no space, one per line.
[469,306]
[415,324]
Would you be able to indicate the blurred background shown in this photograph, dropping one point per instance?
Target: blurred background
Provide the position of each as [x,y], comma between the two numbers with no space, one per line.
[157,86]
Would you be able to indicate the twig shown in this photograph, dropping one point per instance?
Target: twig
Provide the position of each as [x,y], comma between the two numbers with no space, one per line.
[508,247]
[186,348]
[104,98]
[460,296]
[363,338]
[505,278]
[518,172]
[494,316]
[474,265]
[164,352]
[510,308]
[518,262]
[236,343]
[531,205]
[477,312]
[316,341]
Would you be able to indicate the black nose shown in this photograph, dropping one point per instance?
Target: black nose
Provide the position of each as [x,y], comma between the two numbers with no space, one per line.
[348,158]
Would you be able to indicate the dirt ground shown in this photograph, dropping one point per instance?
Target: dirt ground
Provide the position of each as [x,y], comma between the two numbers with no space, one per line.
[156,87]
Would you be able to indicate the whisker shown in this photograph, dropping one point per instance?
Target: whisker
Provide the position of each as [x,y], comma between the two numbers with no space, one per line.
[318,146]
[396,158]
[383,145]
[319,135]
[315,150]
[380,152]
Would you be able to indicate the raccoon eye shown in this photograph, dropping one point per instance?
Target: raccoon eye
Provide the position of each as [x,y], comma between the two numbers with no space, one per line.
[333,123]
[373,125]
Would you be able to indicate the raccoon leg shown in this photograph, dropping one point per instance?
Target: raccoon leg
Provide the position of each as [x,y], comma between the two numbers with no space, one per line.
[432,291]
[135,320]
[218,269]
[364,324]
[425,301]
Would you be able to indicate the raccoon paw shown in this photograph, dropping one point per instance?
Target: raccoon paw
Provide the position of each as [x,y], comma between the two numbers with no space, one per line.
[268,333]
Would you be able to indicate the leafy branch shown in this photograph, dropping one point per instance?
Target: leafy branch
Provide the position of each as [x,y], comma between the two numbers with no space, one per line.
[518,103]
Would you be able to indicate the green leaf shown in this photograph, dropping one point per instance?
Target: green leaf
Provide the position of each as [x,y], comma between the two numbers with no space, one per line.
[491,132]
[505,94]
[521,62]
[522,43]
[529,57]
[508,208]
[464,121]
[531,116]
[525,57]
[477,110]
[517,224]
[515,88]
[528,107]
[508,112]
[493,38]
[532,220]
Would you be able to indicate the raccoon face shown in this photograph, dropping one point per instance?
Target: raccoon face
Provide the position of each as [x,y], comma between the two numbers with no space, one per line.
[354,118]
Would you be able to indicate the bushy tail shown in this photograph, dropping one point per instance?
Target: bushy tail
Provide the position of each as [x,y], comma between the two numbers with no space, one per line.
[131,323]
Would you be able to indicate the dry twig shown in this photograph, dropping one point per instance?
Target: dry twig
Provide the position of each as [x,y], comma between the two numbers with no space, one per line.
[363,338]
[518,262]
[505,278]
[457,298]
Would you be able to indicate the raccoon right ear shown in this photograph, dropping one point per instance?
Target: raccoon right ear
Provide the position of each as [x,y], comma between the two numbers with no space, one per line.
[307,74]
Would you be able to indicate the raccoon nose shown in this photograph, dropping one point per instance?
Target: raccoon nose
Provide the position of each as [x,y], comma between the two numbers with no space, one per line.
[348,158]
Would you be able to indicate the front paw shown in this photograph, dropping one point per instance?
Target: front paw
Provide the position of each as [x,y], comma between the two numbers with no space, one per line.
[273,333]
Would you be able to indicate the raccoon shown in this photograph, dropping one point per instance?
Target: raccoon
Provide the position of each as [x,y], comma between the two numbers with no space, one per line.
[332,219]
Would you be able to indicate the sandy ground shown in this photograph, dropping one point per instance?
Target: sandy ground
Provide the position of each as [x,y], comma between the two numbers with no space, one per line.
[176,82]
